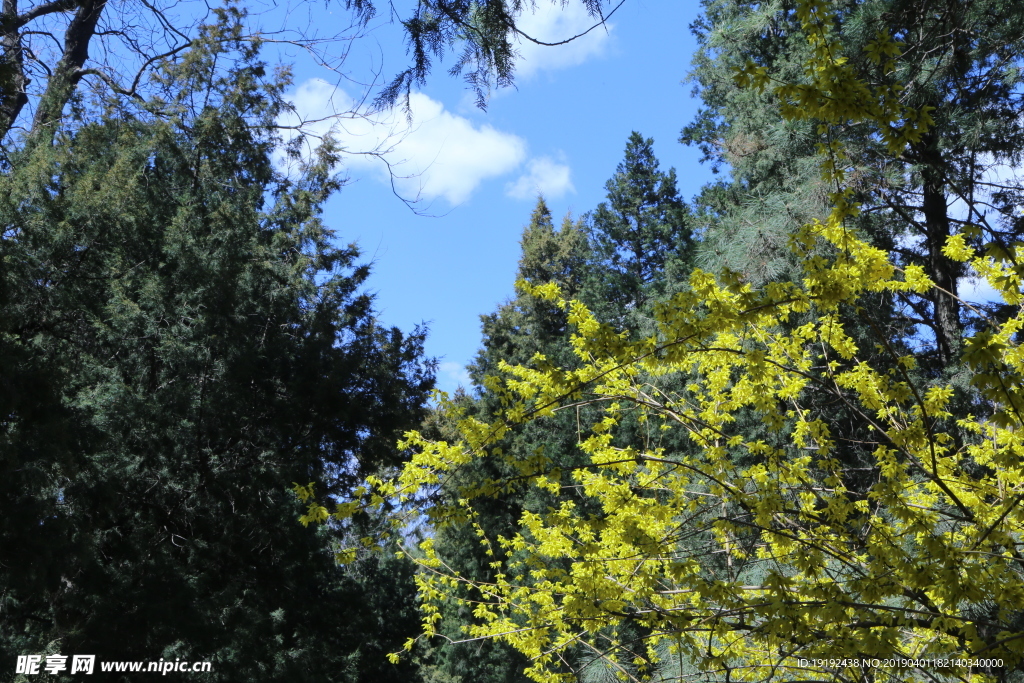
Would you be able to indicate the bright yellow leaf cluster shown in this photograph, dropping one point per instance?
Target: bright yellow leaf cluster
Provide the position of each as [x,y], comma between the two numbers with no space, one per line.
[754,560]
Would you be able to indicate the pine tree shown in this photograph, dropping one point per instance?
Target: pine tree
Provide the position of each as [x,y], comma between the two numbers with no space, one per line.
[641,237]
[958,58]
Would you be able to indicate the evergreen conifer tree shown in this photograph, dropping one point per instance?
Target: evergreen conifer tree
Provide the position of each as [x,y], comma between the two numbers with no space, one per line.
[523,327]
[641,236]
[180,340]
[960,61]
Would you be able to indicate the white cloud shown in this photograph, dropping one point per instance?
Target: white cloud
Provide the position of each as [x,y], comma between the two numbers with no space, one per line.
[544,176]
[436,154]
[550,22]
[454,375]
[977,290]
[444,155]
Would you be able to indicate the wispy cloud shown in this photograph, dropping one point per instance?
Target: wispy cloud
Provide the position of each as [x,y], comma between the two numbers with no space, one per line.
[432,153]
[976,289]
[550,22]
[453,375]
[544,176]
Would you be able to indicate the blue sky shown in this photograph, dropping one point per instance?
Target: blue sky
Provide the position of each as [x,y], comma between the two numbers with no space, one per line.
[560,132]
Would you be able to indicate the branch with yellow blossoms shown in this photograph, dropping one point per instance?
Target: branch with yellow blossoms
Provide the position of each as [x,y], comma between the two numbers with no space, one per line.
[748,560]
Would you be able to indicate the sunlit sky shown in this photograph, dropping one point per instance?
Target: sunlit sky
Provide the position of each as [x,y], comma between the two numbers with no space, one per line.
[477,174]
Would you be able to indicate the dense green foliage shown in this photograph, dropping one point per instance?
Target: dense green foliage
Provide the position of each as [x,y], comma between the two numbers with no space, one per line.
[621,259]
[875,513]
[961,59]
[181,339]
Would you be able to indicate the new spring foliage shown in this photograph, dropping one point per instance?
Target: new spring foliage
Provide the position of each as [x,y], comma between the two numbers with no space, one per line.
[743,557]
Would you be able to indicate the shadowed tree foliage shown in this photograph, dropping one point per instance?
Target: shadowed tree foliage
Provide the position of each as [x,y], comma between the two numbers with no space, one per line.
[180,339]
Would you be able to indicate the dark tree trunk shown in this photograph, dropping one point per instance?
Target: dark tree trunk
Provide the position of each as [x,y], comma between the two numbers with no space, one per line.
[943,271]
[13,81]
[65,77]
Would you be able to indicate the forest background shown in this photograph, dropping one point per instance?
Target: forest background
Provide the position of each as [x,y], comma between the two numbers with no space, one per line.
[183,336]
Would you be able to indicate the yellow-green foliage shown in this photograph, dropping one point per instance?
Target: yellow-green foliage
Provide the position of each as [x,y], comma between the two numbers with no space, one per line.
[921,563]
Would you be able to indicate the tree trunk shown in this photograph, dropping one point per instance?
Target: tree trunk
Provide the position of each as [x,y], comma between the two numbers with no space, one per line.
[13,81]
[62,83]
[943,271]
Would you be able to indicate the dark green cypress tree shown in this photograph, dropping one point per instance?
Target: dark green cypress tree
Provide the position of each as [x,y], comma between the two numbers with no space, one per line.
[180,340]
[641,237]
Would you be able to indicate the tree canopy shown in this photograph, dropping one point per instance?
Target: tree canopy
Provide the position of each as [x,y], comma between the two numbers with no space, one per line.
[757,436]
[116,50]
[750,558]
[961,60]
[180,340]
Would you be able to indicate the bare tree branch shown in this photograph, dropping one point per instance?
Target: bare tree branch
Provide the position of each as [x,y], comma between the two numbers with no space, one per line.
[44,9]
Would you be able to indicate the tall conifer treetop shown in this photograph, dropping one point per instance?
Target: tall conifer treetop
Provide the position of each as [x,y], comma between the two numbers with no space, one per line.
[642,234]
